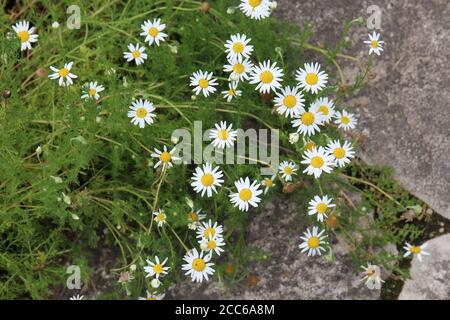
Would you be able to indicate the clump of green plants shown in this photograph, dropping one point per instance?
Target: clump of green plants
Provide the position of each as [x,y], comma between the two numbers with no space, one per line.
[89,162]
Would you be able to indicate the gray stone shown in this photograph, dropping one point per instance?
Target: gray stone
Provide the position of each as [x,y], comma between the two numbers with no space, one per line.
[404,111]
[430,279]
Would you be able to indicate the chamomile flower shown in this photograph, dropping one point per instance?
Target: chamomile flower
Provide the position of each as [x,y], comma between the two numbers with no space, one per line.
[195,217]
[141,113]
[255,9]
[319,206]
[308,122]
[152,296]
[324,106]
[267,76]
[287,170]
[211,244]
[136,53]
[64,75]
[232,91]
[77,297]
[372,276]
[152,31]
[290,102]
[310,78]
[345,120]
[418,251]
[238,46]
[203,82]
[223,136]
[375,44]
[318,161]
[165,157]
[160,217]
[208,229]
[313,242]
[341,153]
[239,68]
[247,194]
[206,179]
[156,268]
[197,265]
[91,90]
[268,183]
[25,34]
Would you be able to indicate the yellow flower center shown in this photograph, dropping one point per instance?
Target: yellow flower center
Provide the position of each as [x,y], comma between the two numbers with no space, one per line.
[136,54]
[209,232]
[324,110]
[254,3]
[309,145]
[374,44]
[223,134]
[194,216]
[165,157]
[212,244]
[312,79]
[313,242]
[24,36]
[266,77]
[238,47]
[207,180]
[63,72]
[290,101]
[345,120]
[160,217]
[157,268]
[203,83]
[239,68]
[321,208]
[153,32]
[415,250]
[339,153]
[288,170]
[269,182]
[141,113]
[199,264]
[92,92]
[231,92]
[307,118]
[151,298]
[317,162]
[245,194]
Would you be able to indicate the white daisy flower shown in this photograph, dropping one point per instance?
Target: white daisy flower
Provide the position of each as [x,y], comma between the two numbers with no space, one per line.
[326,107]
[418,251]
[198,266]
[375,44]
[208,229]
[194,218]
[345,120]
[165,157]
[308,122]
[313,242]
[287,170]
[239,68]
[207,179]
[232,91]
[310,78]
[268,183]
[76,297]
[341,153]
[238,46]
[91,90]
[160,217]
[308,144]
[25,34]
[223,136]
[156,268]
[372,276]
[211,244]
[256,9]
[141,113]
[152,296]
[318,161]
[203,82]
[247,194]
[268,77]
[290,102]
[319,206]
[64,75]
[152,31]
[136,53]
